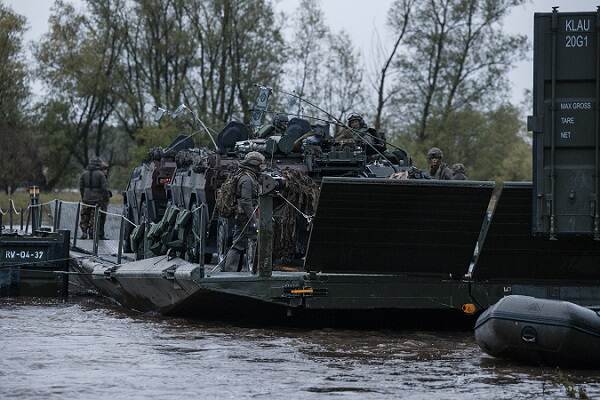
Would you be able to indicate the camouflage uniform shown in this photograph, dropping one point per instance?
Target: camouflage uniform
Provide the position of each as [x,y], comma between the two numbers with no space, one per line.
[441,170]
[93,187]
[245,219]
[350,135]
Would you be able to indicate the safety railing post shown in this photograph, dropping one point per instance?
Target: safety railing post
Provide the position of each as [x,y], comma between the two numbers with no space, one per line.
[10,219]
[28,219]
[201,235]
[34,193]
[58,214]
[76,227]
[21,215]
[146,247]
[55,216]
[1,221]
[96,220]
[121,233]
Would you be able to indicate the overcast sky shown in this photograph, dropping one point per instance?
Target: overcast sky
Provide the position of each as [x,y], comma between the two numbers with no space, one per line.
[359,17]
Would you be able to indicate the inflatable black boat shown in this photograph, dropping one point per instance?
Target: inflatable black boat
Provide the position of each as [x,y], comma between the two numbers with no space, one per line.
[540,331]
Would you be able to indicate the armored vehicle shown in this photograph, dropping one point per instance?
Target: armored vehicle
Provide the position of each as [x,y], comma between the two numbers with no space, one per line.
[144,198]
[186,177]
[304,154]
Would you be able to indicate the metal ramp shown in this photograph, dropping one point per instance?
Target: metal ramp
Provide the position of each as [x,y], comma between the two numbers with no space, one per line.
[382,226]
[509,251]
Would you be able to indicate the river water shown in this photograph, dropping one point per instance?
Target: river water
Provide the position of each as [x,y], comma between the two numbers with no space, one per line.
[89,349]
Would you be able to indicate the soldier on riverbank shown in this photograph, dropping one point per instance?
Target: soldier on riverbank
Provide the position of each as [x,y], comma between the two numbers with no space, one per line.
[93,187]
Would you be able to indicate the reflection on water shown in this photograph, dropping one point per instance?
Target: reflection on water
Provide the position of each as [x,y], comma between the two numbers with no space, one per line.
[86,349]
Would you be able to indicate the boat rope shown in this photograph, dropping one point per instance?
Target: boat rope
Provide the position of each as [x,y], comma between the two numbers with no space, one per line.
[77,202]
[41,204]
[43,262]
[306,216]
[118,215]
[12,204]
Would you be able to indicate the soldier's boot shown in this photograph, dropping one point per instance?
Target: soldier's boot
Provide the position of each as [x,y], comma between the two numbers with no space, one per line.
[232,261]
[84,236]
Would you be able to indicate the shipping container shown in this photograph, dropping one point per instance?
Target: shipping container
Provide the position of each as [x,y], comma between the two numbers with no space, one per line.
[565,124]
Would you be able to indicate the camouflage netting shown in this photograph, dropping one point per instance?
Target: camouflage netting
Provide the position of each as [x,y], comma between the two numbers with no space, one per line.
[291,229]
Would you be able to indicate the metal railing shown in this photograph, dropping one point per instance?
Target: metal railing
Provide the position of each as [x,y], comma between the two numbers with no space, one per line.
[58,215]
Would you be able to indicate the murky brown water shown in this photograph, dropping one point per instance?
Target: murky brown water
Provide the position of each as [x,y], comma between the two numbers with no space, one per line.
[86,349]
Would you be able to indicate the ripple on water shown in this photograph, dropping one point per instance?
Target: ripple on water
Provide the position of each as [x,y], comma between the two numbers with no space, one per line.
[89,349]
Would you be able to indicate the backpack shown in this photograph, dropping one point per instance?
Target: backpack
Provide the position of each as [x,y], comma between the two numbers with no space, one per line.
[226,202]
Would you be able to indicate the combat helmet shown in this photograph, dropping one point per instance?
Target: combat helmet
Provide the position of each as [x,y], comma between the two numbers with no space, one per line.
[95,163]
[356,117]
[280,121]
[254,159]
[435,152]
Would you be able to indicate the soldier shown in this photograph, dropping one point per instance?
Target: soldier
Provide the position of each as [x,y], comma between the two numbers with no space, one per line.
[373,141]
[458,172]
[437,168]
[357,126]
[246,192]
[277,127]
[103,204]
[93,187]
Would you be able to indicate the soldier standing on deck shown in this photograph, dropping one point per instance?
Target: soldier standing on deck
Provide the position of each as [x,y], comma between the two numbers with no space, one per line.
[437,168]
[93,187]
[246,192]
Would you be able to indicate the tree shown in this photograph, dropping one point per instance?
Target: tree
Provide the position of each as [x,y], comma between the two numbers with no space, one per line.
[159,53]
[208,54]
[450,82]
[78,59]
[14,89]
[307,47]
[455,56]
[341,77]
[324,66]
[399,18]
[19,161]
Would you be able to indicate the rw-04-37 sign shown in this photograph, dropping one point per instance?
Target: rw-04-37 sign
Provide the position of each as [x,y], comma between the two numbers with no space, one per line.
[24,255]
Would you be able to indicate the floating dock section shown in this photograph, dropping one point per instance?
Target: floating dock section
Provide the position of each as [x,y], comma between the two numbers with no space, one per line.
[380,245]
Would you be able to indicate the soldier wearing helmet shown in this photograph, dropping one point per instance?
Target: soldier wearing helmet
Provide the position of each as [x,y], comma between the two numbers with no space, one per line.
[356,126]
[357,132]
[93,187]
[277,127]
[437,168]
[246,193]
